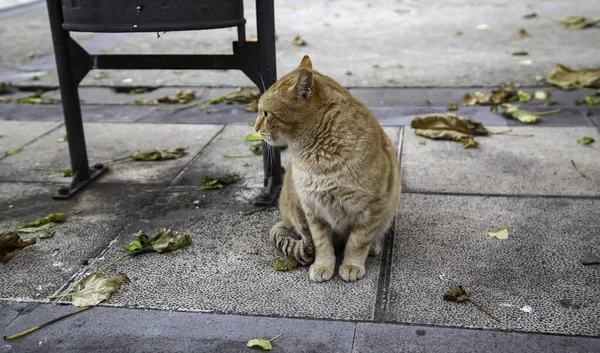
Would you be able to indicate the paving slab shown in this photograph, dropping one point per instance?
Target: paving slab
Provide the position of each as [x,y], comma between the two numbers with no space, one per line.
[425,31]
[228,268]
[96,216]
[17,134]
[399,338]
[594,116]
[110,330]
[540,164]
[107,142]
[442,240]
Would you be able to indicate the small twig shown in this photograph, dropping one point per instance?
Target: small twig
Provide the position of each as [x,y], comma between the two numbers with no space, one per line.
[274,338]
[117,160]
[482,309]
[547,112]
[8,338]
[507,133]
[112,263]
[577,168]
[258,209]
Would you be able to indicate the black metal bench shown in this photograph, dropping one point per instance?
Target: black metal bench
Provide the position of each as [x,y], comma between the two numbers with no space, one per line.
[256,59]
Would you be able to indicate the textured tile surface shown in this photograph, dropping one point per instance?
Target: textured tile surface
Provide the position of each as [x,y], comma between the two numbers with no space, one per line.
[95,216]
[107,142]
[442,240]
[228,269]
[503,164]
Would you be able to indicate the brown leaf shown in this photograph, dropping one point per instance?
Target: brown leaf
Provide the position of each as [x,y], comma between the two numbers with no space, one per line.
[11,243]
[523,33]
[448,126]
[497,96]
[566,78]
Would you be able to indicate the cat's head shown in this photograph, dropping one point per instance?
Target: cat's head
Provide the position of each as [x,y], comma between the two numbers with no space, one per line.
[286,108]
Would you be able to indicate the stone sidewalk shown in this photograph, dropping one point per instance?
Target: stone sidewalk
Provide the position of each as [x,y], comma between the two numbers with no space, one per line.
[451,198]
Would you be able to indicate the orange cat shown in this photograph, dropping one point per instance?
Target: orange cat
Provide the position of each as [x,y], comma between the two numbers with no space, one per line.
[343,183]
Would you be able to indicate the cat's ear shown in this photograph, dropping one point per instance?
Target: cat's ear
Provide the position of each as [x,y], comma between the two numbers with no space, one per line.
[304,85]
[306,63]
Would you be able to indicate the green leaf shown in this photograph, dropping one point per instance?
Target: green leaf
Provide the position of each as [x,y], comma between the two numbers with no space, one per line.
[521,115]
[36,229]
[254,136]
[501,233]
[458,294]
[218,183]
[586,140]
[41,223]
[159,154]
[524,96]
[588,100]
[257,148]
[96,288]
[285,265]
[497,96]
[452,106]
[163,241]
[260,343]
[576,22]
[11,152]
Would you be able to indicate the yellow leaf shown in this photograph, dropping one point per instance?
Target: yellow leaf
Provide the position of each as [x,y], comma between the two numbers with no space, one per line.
[501,233]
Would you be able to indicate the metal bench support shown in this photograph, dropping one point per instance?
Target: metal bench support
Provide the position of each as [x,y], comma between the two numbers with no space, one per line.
[255,59]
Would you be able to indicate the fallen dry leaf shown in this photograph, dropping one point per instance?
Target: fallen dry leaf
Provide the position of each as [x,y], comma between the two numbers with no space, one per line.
[448,126]
[452,107]
[524,96]
[6,88]
[11,243]
[285,265]
[163,241]
[524,116]
[5,100]
[101,75]
[96,288]
[218,183]
[178,98]
[299,42]
[458,294]
[576,22]
[159,154]
[566,78]
[523,34]
[500,233]
[497,96]
[42,223]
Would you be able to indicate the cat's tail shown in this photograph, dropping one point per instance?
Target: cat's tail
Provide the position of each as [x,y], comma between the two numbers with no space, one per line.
[284,240]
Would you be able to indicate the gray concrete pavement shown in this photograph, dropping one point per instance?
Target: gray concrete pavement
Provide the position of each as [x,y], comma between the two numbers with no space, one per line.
[222,290]
[354,36]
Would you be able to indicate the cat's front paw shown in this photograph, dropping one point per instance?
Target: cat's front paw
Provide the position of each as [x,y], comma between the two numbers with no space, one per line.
[351,273]
[320,273]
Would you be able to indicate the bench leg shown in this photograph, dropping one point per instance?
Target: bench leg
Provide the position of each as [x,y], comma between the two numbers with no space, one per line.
[265,24]
[68,80]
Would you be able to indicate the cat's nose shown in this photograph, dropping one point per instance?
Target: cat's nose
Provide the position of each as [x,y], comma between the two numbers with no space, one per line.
[257,124]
